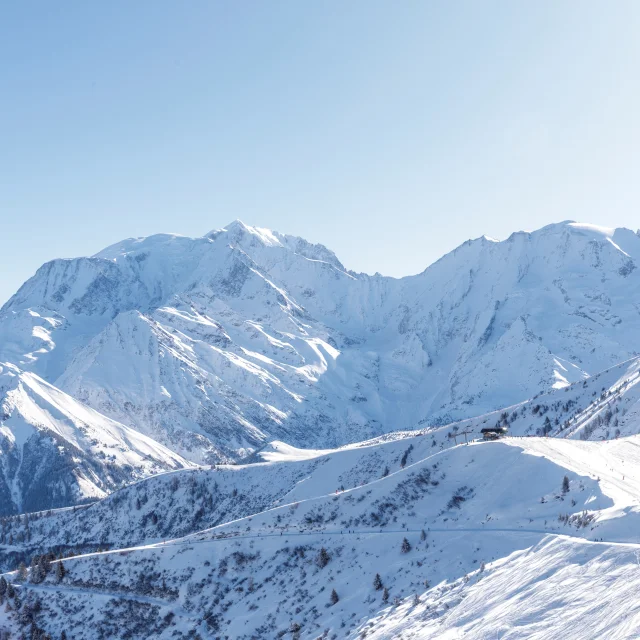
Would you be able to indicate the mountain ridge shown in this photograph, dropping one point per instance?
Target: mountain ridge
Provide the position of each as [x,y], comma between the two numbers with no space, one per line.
[252,335]
[57,452]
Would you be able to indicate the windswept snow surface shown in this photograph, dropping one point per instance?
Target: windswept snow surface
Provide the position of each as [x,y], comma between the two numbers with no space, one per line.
[497,547]
[215,346]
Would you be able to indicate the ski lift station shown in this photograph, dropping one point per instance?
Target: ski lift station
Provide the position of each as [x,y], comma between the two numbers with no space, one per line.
[494,433]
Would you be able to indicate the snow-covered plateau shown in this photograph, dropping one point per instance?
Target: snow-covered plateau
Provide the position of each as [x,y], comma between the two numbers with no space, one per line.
[236,437]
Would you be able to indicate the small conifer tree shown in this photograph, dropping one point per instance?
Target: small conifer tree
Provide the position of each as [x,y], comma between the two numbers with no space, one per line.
[22,572]
[60,571]
[323,558]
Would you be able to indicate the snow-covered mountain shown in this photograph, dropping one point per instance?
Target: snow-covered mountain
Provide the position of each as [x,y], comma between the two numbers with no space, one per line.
[214,346]
[249,344]
[54,451]
[411,534]
[523,538]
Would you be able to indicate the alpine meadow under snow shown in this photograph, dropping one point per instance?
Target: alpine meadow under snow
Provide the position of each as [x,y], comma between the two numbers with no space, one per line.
[235,436]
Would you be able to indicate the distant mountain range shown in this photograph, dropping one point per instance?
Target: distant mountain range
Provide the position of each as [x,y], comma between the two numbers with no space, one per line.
[167,351]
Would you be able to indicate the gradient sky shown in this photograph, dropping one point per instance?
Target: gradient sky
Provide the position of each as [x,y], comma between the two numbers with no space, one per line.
[389,131]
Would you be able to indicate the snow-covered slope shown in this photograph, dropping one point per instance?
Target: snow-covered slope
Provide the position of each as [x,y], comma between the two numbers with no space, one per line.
[498,543]
[175,504]
[54,451]
[216,345]
[604,406]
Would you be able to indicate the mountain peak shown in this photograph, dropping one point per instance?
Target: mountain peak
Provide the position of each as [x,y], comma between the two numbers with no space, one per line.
[244,235]
[238,230]
[620,238]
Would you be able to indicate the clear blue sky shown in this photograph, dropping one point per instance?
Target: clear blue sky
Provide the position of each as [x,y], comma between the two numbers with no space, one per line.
[389,131]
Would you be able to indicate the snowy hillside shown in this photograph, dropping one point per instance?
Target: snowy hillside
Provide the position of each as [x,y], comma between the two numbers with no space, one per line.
[604,406]
[54,451]
[215,346]
[499,538]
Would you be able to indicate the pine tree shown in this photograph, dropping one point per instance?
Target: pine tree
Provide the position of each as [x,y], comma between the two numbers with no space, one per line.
[60,571]
[63,635]
[334,597]
[3,586]
[323,558]
[385,595]
[565,485]
[39,568]
[406,547]
[423,535]
[377,582]
[22,572]
[416,600]
[405,456]
[11,592]
[34,570]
